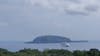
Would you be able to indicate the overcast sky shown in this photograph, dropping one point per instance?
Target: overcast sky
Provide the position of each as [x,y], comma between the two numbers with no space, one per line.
[23,20]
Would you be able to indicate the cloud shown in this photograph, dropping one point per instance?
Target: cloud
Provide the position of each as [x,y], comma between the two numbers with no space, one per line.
[73,7]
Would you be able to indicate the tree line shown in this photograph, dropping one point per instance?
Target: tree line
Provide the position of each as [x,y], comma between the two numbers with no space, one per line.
[50,52]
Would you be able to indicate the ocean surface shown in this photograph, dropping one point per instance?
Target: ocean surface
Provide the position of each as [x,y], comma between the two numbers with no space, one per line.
[15,46]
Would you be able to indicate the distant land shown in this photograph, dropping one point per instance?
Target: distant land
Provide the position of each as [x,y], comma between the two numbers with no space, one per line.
[53,39]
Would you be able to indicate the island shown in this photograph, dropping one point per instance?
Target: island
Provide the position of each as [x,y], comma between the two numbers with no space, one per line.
[53,39]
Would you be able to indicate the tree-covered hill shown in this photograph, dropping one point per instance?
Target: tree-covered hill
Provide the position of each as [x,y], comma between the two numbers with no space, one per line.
[51,52]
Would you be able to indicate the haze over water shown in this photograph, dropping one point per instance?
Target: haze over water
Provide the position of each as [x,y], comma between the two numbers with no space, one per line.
[15,46]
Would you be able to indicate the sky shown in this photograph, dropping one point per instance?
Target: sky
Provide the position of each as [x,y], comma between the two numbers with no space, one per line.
[24,20]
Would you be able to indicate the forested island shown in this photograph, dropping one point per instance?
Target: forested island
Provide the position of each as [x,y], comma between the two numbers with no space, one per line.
[50,52]
[53,39]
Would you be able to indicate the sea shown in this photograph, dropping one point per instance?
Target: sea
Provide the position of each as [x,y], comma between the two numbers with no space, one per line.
[18,45]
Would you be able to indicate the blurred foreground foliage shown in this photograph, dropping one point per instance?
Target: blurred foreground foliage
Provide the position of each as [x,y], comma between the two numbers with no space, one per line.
[51,52]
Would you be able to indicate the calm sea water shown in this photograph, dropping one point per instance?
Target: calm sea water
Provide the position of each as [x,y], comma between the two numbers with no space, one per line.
[15,46]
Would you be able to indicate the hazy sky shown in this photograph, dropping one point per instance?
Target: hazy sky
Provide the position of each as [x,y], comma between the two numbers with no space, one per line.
[23,20]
